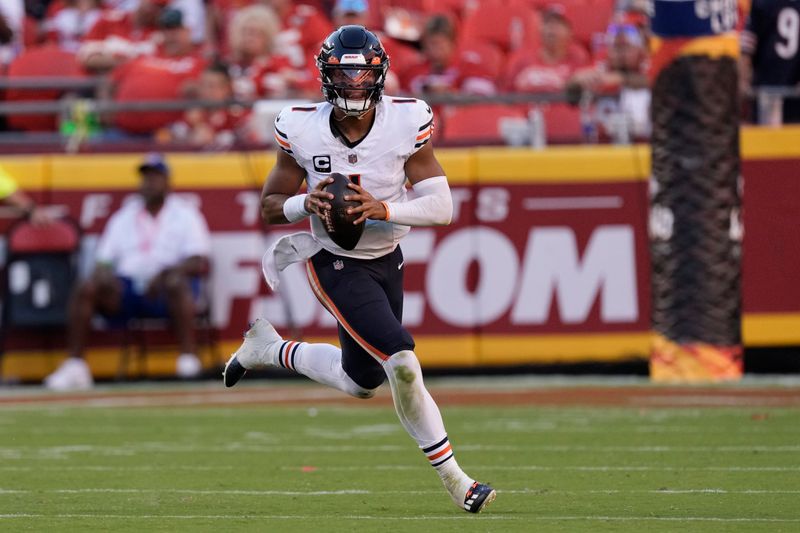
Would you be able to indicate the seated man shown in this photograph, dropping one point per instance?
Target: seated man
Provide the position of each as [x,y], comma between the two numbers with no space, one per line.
[148,259]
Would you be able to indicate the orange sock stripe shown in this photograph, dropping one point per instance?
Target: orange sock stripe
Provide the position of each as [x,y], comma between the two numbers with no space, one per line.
[441,453]
[287,351]
[329,305]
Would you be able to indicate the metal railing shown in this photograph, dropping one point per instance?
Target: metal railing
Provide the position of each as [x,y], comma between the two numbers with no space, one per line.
[77,105]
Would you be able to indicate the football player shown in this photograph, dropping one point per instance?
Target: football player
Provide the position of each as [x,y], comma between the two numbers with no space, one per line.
[770,46]
[380,142]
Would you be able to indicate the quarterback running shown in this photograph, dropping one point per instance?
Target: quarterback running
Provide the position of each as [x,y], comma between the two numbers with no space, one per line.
[379,142]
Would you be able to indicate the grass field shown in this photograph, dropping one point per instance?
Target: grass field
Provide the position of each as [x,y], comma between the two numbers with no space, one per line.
[292,457]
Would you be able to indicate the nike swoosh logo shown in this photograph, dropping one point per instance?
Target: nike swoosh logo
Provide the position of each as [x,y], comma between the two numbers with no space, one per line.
[400,265]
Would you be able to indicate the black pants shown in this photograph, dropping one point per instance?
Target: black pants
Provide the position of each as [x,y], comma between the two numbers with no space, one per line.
[366,297]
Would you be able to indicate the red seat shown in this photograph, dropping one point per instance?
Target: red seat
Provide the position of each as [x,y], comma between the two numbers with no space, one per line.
[562,123]
[511,26]
[59,236]
[477,124]
[487,56]
[589,19]
[41,61]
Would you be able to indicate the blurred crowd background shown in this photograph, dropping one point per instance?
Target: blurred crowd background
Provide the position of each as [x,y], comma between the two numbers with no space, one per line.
[240,51]
[534,71]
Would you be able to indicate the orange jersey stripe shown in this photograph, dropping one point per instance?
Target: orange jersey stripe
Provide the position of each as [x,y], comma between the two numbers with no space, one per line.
[441,453]
[282,142]
[424,134]
[329,305]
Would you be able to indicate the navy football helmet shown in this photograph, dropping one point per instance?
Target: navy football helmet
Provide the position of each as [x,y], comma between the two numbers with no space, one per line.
[352,65]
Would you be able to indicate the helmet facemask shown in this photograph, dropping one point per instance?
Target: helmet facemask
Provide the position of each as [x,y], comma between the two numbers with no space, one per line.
[352,85]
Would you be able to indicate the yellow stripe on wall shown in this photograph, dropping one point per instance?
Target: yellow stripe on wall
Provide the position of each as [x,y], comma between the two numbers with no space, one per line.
[30,172]
[771,329]
[194,170]
[760,142]
[464,166]
[563,164]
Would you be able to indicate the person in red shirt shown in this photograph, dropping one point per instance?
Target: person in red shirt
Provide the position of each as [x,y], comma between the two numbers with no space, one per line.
[168,75]
[444,68]
[210,129]
[256,69]
[119,36]
[550,66]
[303,29]
[68,21]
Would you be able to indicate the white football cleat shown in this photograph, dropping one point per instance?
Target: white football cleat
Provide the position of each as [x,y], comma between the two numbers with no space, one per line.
[73,374]
[260,348]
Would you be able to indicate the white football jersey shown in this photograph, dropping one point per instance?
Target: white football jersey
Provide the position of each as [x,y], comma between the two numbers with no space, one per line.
[402,126]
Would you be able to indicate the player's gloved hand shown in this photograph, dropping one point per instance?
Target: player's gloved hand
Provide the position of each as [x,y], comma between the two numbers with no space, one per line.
[369,208]
[317,199]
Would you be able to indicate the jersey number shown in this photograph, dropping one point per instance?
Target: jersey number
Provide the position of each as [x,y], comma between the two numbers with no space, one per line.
[788,29]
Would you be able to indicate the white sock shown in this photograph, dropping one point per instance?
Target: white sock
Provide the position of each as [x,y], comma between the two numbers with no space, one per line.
[322,363]
[422,420]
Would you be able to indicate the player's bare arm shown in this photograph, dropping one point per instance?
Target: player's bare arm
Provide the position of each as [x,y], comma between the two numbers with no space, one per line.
[421,166]
[282,183]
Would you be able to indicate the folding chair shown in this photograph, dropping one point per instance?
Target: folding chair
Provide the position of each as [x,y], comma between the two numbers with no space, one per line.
[39,274]
[139,334]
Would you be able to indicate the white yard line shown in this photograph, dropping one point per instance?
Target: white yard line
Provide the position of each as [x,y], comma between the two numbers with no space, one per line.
[10,453]
[344,492]
[354,468]
[526,518]
[588,468]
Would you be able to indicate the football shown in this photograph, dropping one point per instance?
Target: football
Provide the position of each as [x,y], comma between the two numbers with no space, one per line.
[338,224]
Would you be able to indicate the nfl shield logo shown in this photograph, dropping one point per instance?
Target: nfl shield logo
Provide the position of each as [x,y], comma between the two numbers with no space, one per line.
[352,159]
[338,264]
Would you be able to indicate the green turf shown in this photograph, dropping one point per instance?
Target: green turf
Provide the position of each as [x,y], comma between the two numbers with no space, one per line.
[354,469]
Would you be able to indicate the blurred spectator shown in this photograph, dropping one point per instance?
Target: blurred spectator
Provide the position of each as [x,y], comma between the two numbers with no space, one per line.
[11,195]
[213,129]
[257,71]
[194,17]
[622,73]
[401,55]
[37,9]
[12,19]
[219,14]
[770,56]
[169,75]
[547,68]
[119,36]
[303,29]
[148,260]
[67,24]
[444,68]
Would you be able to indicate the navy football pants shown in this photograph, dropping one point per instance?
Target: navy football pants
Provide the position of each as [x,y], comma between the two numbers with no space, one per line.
[366,297]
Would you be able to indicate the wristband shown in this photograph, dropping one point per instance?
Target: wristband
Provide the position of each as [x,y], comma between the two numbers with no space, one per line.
[294,208]
[386,207]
